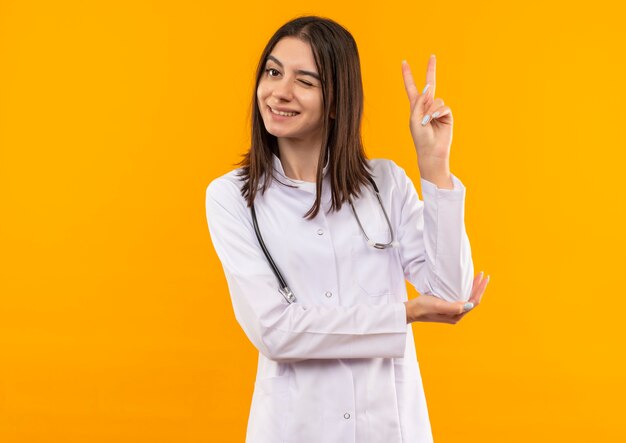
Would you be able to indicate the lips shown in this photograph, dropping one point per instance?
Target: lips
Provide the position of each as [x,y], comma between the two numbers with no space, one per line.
[283,112]
[276,108]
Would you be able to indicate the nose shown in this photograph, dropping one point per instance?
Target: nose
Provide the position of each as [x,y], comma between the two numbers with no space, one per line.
[283,89]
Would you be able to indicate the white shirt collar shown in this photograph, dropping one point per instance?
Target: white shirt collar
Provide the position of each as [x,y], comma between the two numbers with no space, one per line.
[309,186]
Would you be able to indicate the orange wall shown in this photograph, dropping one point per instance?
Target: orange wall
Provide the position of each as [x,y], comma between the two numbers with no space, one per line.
[115,321]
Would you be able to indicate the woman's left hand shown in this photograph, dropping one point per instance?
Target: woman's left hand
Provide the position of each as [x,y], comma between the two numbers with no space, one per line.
[431,121]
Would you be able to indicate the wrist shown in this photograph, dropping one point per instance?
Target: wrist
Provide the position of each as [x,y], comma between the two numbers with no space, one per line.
[409,319]
[433,165]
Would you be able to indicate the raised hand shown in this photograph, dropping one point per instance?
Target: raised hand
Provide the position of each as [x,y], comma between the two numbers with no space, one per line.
[431,121]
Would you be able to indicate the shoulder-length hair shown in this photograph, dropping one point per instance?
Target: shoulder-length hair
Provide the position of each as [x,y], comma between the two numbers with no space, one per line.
[337,61]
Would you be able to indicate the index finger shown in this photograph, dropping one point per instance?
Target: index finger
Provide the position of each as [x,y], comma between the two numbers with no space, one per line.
[409,84]
[431,74]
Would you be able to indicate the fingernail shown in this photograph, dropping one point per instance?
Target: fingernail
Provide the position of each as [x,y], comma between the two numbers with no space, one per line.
[425,119]
[435,114]
[468,306]
[482,273]
[426,88]
[404,62]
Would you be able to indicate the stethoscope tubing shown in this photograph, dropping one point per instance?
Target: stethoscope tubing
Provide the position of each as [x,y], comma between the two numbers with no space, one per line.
[284,289]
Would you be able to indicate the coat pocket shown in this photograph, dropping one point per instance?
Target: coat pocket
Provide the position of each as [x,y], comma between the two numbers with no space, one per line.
[371,267]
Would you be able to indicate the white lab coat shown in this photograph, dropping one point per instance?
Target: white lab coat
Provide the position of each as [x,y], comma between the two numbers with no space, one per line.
[339,364]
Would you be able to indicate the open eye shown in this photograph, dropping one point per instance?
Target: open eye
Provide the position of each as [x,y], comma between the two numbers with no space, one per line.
[270,71]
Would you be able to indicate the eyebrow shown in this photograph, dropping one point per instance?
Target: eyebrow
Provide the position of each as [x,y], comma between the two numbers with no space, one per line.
[299,71]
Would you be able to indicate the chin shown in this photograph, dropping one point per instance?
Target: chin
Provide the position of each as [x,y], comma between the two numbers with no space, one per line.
[276,132]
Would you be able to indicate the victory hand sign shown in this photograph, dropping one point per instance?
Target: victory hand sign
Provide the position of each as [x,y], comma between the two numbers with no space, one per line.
[431,127]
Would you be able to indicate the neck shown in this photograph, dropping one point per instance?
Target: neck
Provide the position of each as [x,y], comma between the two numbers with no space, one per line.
[299,160]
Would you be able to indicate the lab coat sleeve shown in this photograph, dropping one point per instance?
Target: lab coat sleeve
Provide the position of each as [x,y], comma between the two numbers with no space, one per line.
[284,331]
[434,246]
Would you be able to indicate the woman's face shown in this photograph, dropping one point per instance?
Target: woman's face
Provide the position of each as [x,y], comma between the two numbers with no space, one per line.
[290,85]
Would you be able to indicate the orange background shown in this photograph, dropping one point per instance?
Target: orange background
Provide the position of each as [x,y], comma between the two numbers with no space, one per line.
[115,320]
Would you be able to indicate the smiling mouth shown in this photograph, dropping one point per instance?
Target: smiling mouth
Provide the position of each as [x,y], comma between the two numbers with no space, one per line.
[284,114]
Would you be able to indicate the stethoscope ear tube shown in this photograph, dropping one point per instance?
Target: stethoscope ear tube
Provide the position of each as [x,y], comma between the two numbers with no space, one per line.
[284,289]
[392,241]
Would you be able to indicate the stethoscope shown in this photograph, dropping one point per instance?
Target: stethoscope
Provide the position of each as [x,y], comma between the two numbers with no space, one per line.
[283,288]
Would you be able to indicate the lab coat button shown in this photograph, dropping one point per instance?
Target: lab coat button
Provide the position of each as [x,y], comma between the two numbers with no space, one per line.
[346,416]
[329,294]
[320,231]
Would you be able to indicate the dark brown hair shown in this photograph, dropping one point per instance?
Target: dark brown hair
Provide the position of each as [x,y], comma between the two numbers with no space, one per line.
[337,61]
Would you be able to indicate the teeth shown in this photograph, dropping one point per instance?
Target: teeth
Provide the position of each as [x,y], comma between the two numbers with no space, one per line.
[285,114]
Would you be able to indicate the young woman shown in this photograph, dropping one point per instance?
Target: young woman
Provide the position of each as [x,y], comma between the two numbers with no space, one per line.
[316,242]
